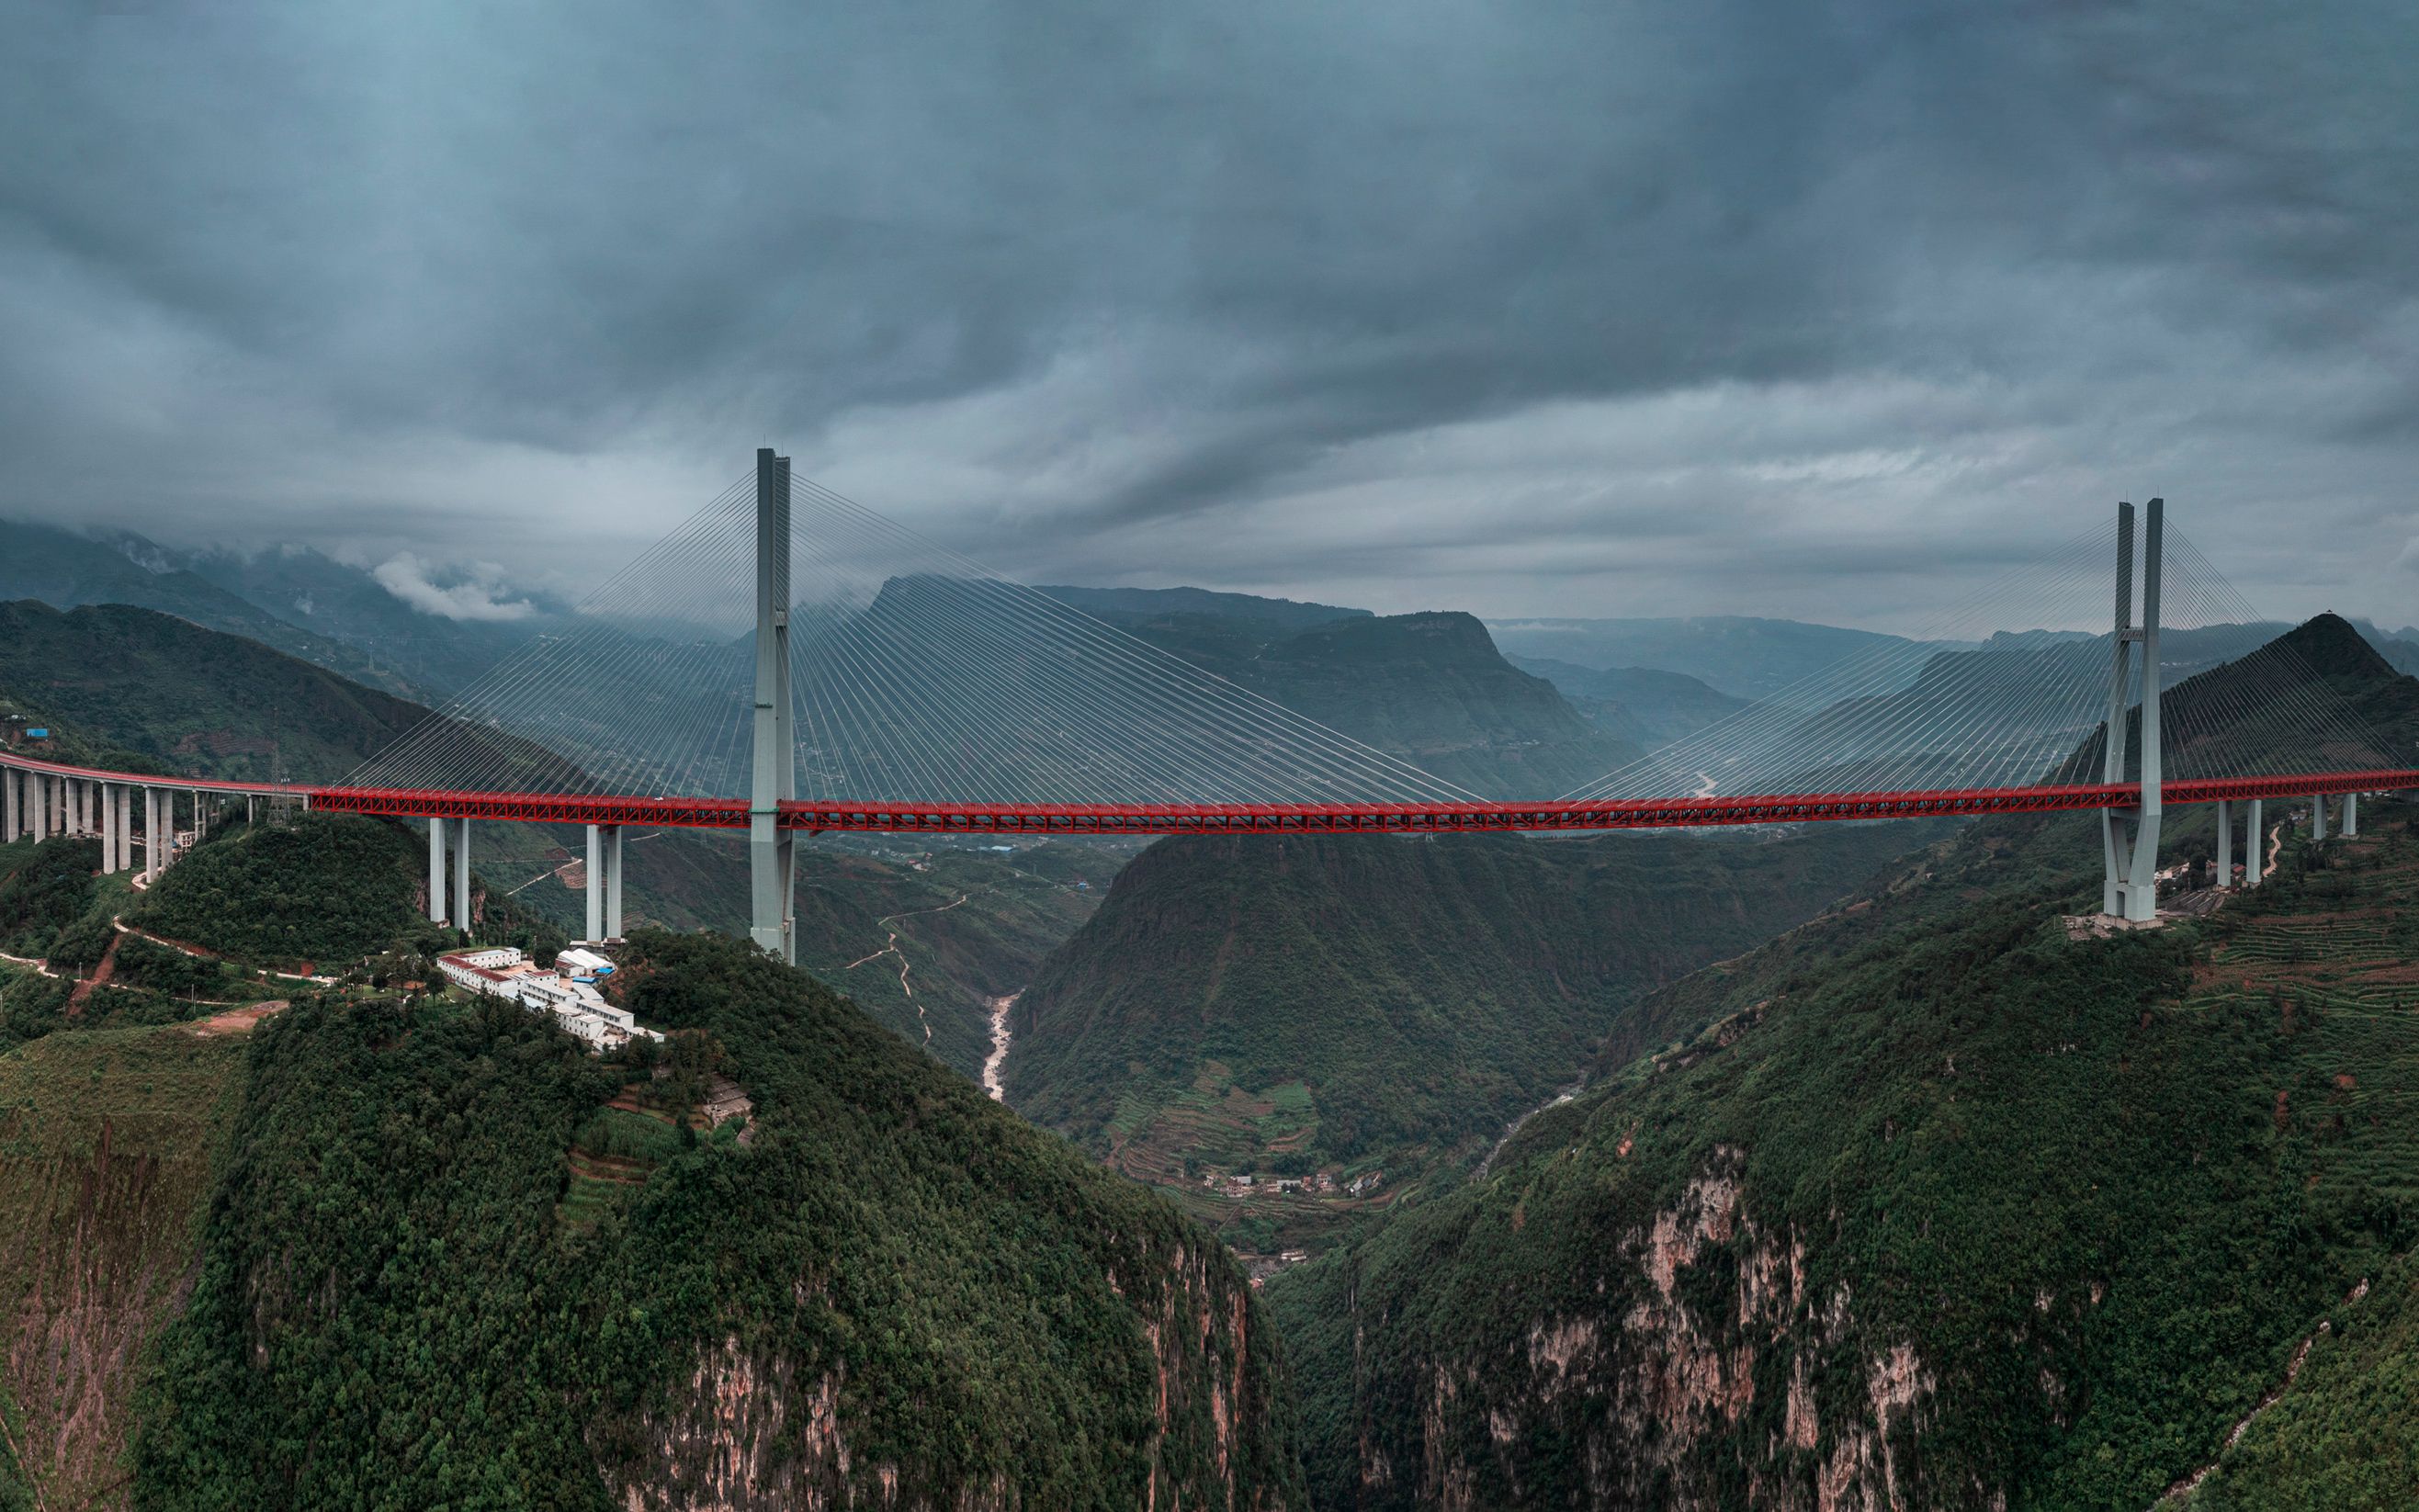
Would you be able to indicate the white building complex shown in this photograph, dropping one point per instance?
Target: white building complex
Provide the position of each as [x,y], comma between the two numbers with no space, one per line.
[567,992]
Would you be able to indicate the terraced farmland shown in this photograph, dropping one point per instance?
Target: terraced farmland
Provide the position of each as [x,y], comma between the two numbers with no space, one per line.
[2328,959]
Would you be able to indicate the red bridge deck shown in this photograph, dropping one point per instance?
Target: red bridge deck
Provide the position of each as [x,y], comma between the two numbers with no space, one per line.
[1258,819]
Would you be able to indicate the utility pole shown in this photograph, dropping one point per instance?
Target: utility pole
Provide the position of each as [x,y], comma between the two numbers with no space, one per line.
[772,851]
[2130,835]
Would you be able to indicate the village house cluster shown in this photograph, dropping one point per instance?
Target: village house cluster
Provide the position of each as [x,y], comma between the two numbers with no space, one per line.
[1317,1184]
[567,991]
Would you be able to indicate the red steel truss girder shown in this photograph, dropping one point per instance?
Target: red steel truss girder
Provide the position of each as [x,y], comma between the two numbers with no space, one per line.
[1259,819]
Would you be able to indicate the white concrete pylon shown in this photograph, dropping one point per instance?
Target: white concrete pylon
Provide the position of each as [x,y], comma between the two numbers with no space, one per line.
[2255,839]
[2351,814]
[2130,835]
[108,831]
[2225,844]
[772,853]
[2318,816]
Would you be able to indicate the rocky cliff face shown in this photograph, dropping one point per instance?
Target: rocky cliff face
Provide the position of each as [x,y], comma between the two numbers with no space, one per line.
[746,1431]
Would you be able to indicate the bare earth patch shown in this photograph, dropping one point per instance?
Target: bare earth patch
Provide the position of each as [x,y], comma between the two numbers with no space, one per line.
[235,1020]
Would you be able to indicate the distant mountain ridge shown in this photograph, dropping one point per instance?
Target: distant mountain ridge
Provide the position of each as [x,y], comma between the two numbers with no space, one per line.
[1285,613]
[1644,706]
[1429,687]
[1742,656]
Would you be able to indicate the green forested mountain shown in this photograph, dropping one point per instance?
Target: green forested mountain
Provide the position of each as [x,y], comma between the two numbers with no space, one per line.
[1930,1202]
[889,1288]
[190,698]
[67,570]
[1341,1004]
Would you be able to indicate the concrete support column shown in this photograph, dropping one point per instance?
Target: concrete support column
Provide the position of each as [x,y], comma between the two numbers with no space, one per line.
[108,829]
[595,882]
[2225,844]
[462,876]
[613,882]
[161,837]
[437,870]
[2350,815]
[2318,816]
[38,821]
[2255,839]
[7,805]
[125,827]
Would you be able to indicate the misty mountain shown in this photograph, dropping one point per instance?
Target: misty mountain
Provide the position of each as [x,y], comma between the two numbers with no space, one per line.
[66,570]
[1743,656]
[1640,704]
[1430,687]
[348,605]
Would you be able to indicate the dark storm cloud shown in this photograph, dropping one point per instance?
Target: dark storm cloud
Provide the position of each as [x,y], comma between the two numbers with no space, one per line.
[1547,308]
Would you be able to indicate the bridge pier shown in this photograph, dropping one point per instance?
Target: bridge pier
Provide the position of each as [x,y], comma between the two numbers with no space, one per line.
[437,870]
[37,822]
[7,805]
[108,829]
[2318,816]
[2225,844]
[613,882]
[462,876]
[2351,814]
[125,827]
[604,883]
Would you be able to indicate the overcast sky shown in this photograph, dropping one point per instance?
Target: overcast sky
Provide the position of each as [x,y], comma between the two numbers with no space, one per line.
[1827,310]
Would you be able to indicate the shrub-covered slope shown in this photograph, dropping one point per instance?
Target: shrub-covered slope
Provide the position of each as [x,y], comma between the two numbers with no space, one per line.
[1940,1207]
[105,1146]
[195,699]
[891,1293]
[1303,1003]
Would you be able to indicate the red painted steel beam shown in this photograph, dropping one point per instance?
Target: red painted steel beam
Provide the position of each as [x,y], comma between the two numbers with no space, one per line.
[1287,819]
[1261,819]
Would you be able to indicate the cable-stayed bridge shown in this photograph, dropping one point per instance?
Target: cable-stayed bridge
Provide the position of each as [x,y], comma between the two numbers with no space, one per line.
[787,661]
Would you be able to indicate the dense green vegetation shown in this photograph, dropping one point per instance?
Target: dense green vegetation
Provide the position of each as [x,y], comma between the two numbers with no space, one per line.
[1341,1002]
[2096,1192]
[44,888]
[328,890]
[334,887]
[2342,1435]
[391,1312]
